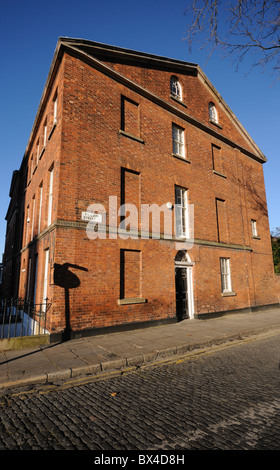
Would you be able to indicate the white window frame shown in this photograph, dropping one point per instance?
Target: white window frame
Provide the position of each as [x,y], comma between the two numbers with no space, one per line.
[40,207]
[50,196]
[178,141]
[175,88]
[254,228]
[35,279]
[33,217]
[45,133]
[181,212]
[38,152]
[31,167]
[225,275]
[27,226]
[46,273]
[29,278]
[213,115]
[55,108]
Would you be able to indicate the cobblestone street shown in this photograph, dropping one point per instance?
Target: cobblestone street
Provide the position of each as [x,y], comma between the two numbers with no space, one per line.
[225,398]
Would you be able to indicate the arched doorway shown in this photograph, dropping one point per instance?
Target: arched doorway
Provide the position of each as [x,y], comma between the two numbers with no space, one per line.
[184,285]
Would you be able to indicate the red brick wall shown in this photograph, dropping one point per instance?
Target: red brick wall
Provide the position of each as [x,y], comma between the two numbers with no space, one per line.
[93,160]
[196,97]
[131,274]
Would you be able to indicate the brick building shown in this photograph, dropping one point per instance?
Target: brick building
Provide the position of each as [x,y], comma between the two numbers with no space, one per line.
[115,127]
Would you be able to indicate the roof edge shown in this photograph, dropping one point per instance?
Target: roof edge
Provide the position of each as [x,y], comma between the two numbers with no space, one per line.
[97,46]
[72,43]
[53,67]
[232,115]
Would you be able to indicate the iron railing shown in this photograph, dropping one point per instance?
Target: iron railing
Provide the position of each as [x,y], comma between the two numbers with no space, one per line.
[21,317]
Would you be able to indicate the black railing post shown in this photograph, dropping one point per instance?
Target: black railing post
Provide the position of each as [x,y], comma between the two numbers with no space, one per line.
[22,310]
[16,317]
[39,322]
[3,322]
[14,311]
[46,310]
[28,316]
[10,316]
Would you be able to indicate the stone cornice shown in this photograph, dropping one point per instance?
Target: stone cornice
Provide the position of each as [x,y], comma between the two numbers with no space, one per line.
[134,235]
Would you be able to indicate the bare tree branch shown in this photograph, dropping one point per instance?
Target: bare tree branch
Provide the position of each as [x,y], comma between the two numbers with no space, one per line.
[239,27]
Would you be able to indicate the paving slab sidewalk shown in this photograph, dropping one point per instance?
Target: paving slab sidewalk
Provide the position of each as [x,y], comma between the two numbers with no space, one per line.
[114,351]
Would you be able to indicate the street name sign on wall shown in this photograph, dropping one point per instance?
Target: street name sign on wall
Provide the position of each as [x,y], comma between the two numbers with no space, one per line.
[91,217]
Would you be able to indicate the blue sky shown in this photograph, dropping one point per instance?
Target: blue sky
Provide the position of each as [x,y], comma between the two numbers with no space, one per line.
[29,32]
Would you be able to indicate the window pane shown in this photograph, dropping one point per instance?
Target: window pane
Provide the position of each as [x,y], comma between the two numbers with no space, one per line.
[178,140]
[176,88]
[254,228]
[50,197]
[181,212]
[213,112]
[225,275]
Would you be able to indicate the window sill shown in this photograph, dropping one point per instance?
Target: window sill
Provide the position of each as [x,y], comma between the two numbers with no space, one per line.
[215,123]
[178,101]
[219,174]
[131,136]
[183,237]
[175,155]
[135,300]
[228,294]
